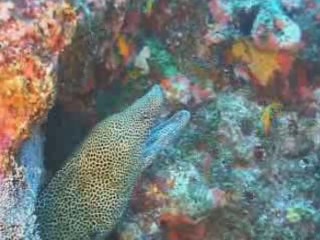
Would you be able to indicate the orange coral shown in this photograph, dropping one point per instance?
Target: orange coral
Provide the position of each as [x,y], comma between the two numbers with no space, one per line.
[262,64]
[27,82]
[23,98]
[125,48]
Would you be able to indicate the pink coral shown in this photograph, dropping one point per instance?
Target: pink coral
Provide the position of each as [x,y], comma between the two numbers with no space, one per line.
[180,89]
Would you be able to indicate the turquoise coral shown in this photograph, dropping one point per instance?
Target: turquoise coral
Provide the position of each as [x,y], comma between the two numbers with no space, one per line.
[162,59]
[89,194]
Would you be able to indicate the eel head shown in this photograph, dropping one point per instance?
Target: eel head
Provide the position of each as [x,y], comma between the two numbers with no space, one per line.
[159,132]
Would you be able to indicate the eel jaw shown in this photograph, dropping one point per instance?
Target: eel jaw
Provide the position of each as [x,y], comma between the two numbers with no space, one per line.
[164,134]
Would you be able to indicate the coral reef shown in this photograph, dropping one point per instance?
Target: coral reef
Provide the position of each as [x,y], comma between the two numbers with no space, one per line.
[267,24]
[247,165]
[273,29]
[32,36]
[97,51]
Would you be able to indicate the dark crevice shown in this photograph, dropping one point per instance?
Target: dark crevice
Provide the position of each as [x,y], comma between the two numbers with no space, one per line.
[245,20]
[63,131]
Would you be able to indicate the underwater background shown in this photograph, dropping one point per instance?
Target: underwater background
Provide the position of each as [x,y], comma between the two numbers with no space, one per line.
[234,153]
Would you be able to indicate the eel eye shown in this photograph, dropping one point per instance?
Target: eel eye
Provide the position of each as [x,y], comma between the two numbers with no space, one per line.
[145,116]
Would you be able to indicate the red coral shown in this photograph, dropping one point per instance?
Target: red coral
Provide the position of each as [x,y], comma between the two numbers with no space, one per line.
[303,86]
[150,194]
[181,227]
[201,95]
[285,60]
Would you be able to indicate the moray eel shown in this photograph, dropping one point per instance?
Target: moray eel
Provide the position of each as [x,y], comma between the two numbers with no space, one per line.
[87,197]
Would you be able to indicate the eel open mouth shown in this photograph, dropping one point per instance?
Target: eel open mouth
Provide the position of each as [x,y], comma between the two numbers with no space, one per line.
[163,134]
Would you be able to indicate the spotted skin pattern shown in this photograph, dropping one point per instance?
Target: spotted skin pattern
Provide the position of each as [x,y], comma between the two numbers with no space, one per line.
[87,197]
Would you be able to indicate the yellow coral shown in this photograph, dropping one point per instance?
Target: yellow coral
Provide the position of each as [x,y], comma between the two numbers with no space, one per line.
[262,64]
